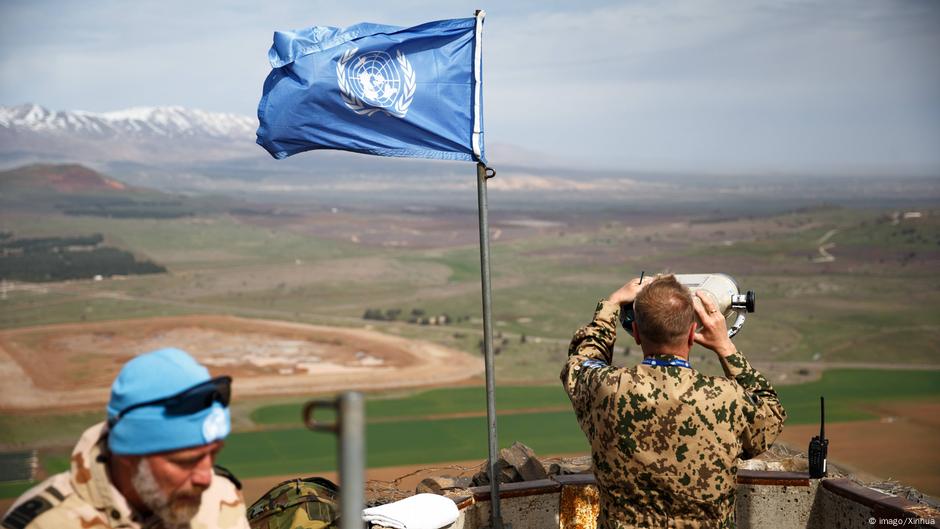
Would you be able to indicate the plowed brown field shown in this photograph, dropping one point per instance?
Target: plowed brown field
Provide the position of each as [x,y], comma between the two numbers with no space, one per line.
[901,445]
[73,365]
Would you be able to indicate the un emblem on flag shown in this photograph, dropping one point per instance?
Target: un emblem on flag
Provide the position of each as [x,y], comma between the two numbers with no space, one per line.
[375,82]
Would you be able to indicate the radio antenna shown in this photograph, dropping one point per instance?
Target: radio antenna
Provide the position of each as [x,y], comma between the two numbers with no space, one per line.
[819,446]
[822,417]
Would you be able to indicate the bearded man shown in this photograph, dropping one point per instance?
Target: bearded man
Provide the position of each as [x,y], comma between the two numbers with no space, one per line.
[151,464]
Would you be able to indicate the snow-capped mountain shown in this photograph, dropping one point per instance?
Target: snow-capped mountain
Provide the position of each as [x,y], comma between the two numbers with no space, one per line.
[166,122]
[143,135]
[180,149]
[175,148]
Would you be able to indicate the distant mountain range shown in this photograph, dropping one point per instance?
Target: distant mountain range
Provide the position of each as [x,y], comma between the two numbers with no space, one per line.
[163,135]
[174,149]
[141,122]
[145,135]
[180,149]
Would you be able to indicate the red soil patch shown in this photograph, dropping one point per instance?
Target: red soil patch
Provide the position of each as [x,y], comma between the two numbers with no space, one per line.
[901,445]
[69,178]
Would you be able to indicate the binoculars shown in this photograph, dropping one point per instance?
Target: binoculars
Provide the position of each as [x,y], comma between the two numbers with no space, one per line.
[721,289]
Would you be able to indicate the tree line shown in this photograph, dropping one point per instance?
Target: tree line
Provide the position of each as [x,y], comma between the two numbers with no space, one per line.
[62,258]
[417,316]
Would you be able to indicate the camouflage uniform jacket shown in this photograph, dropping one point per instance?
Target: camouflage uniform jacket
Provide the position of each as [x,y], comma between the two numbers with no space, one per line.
[665,440]
[84,497]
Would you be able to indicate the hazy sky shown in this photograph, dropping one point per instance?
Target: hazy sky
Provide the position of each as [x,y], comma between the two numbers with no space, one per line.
[706,85]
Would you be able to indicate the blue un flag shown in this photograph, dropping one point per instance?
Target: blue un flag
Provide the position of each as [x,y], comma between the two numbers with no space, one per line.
[376,89]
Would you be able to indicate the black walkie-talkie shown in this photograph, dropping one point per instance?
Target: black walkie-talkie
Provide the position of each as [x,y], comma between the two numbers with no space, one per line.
[819,446]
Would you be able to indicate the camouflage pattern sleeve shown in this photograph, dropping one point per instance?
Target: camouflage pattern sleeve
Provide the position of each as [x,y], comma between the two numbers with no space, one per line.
[596,339]
[763,413]
[592,346]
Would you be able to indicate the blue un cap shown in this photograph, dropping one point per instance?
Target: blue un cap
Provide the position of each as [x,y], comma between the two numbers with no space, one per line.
[164,400]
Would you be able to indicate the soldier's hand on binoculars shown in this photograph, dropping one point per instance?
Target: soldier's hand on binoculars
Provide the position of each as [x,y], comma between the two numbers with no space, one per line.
[627,293]
[714,331]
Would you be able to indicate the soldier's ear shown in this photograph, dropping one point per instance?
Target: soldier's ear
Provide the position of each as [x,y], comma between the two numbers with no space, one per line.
[124,464]
[692,335]
[636,332]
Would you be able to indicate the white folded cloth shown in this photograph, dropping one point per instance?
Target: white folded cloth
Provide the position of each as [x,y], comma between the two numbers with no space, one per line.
[421,511]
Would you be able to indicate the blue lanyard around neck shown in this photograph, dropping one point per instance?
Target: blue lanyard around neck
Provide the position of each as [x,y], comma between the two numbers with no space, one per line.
[655,362]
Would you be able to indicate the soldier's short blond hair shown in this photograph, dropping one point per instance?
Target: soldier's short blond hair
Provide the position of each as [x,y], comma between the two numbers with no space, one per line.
[664,311]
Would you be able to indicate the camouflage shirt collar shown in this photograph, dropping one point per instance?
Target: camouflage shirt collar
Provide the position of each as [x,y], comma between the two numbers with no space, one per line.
[669,359]
[91,480]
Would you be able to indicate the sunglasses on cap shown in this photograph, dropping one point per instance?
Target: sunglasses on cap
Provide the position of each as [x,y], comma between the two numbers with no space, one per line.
[188,401]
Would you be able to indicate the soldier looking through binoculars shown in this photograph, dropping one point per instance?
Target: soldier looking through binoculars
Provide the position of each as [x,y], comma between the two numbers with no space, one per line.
[664,437]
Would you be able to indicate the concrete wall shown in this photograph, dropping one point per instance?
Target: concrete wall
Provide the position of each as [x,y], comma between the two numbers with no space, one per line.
[832,511]
[775,506]
[766,500]
[539,511]
[533,504]
[841,503]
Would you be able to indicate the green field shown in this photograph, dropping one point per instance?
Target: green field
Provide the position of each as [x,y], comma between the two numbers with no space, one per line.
[878,302]
[398,435]
[296,451]
[434,402]
[409,441]
[879,297]
[846,391]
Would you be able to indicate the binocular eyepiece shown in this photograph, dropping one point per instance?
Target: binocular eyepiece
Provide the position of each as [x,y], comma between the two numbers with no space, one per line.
[723,292]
